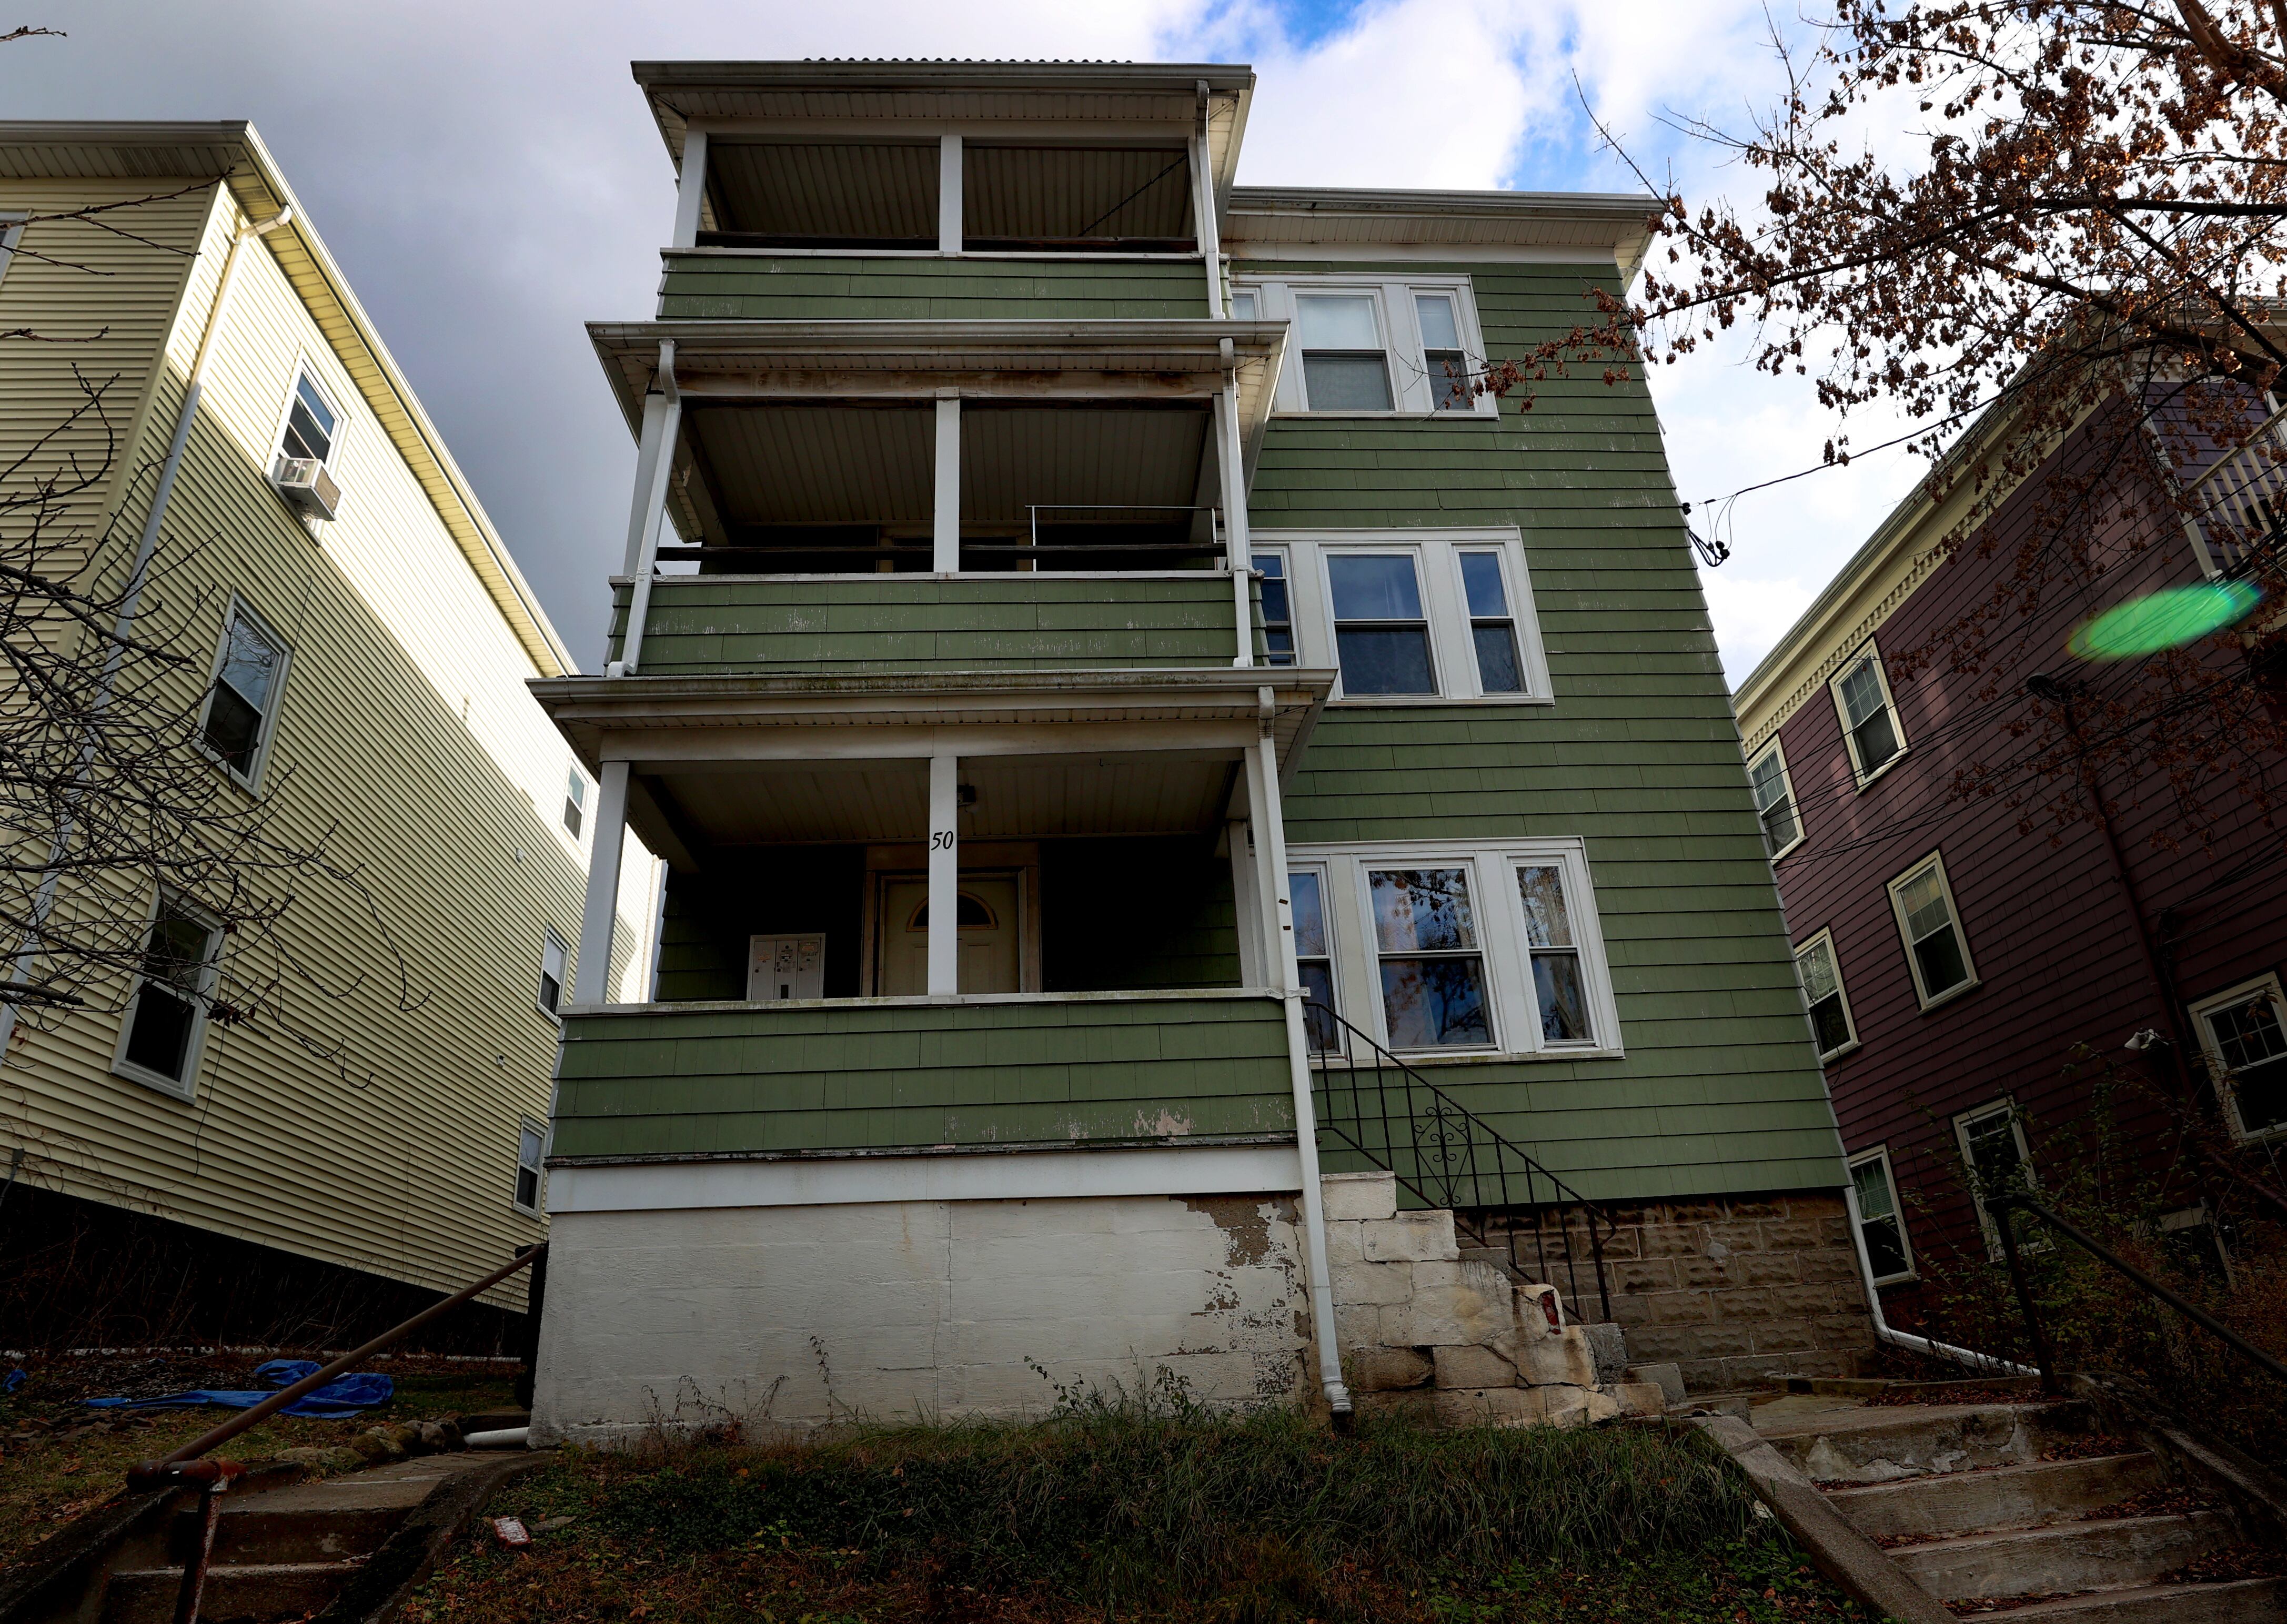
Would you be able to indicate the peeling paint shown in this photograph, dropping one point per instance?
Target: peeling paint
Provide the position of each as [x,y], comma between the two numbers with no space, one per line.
[1167,1125]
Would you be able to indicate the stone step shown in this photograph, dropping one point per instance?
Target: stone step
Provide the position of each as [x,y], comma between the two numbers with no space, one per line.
[1879,1445]
[2068,1557]
[324,1521]
[265,1593]
[1952,1503]
[2238,1601]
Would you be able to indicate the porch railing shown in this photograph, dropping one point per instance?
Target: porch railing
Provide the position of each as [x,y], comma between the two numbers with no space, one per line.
[1443,1155]
[2239,506]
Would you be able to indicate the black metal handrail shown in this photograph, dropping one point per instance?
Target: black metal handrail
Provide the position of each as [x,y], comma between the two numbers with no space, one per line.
[2001,1206]
[1445,1155]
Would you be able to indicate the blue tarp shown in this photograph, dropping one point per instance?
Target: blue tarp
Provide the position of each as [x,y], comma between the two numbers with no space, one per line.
[346,1395]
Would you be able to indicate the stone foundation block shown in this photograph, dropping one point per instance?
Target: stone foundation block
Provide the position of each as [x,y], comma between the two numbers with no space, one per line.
[1486,1406]
[1345,1244]
[1608,1345]
[1376,1283]
[1576,1406]
[1357,1324]
[1472,1367]
[1668,1377]
[1412,1237]
[1385,1370]
[1359,1195]
[1641,1398]
[1417,1404]
[1563,1360]
[1476,1311]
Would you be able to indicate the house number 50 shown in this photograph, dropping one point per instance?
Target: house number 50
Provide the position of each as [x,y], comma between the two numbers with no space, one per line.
[942,841]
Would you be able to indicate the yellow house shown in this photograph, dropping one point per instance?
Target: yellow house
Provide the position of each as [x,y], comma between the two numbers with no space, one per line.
[377,1133]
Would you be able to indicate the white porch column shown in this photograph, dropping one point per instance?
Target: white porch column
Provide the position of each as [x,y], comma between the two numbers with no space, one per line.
[657,458]
[591,981]
[1246,900]
[945,874]
[1270,855]
[948,193]
[691,188]
[1203,205]
[1237,549]
[947,534]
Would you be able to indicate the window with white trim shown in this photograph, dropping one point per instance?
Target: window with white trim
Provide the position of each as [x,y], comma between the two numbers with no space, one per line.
[1458,949]
[575,801]
[1775,801]
[2244,1032]
[1314,956]
[552,957]
[531,1152]
[242,703]
[1408,615]
[1882,1225]
[1936,952]
[1996,1159]
[1823,997]
[1277,608]
[1870,718]
[1376,347]
[312,424]
[165,1025]
[11,232]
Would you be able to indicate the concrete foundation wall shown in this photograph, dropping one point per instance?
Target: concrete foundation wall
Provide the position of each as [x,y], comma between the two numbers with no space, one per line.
[800,1316]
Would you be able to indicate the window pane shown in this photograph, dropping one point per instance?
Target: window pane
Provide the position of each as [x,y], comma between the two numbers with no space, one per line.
[528,1187]
[1886,1247]
[1384,659]
[306,395]
[1861,692]
[1318,988]
[161,1039]
[1769,779]
[233,727]
[1940,957]
[1450,388]
[1422,910]
[304,436]
[1310,915]
[1547,922]
[1438,331]
[2248,1033]
[1873,1189]
[527,1148]
[1829,1025]
[551,992]
[1373,586]
[1338,322]
[1816,966]
[249,663]
[1274,603]
[1346,383]
[1877,741]
[1923,899]
[178,950]
[1243,305]
[1497,668]
[1563,1006]
[1434,1003]
[1481,576]
[2260,1093]
[1993,1153]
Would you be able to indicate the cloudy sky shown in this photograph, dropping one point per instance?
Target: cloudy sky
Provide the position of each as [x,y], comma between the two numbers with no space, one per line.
[488,176]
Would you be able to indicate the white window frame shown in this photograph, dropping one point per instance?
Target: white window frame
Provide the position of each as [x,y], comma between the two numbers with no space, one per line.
[1499,913]
[250,780]
[550,941]
[572,776]
[1826,938]
[1328,907]
[186,1087]
[1413,392]
[1881,1153]
[306,367]
[1438,568]
[1285,556]
[538,1207]
[1962,1122]
[12,233]
[1859,774]
[1969,982]
[1786,787]
[2270,983]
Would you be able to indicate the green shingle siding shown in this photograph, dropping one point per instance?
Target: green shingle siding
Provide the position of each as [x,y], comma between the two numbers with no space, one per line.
[711,623]
[795,288]
[880,1076]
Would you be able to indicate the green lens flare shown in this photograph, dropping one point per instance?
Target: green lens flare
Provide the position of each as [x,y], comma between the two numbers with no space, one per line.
[2169,618]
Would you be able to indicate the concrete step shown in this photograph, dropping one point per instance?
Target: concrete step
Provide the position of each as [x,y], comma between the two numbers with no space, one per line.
[1873,1444]
[324,1521]
[2238,1601]
[1952,1503]
[249,1593]
[2069,1556]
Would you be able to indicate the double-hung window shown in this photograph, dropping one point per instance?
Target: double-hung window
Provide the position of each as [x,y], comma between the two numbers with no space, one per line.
[1870,720]
[1881,1226]
[1376,347]
[1996,1159]
[166,1019]
[2244,1032]
[311,424]
[1405,615]
[242,703]
[531,1150]
[575,803]
[1829,1006]
[1931,926]
[1455,949]
[552,957]
[11,232]
[1774,801]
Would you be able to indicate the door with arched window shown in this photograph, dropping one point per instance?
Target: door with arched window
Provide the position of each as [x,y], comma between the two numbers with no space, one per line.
[991,919]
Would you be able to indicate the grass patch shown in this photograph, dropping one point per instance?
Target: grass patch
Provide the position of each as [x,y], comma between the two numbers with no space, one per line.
[1145,1511]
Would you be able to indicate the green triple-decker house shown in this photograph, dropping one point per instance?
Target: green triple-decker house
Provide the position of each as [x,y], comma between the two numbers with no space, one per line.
[1205,846]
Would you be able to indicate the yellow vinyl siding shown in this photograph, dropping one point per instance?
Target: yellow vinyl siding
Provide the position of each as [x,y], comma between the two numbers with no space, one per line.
[379,1128]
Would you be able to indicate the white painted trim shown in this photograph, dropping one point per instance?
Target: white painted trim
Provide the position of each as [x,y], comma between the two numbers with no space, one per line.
[1825,937]
[186,1087]
[1861,774]
[1411,394]
[11,232]
[1962,1122]
[945,876]
[945,492]
[1260,250]
[1786,785]
[718,1005]
[2217,1067]
[266,730]
[1171,1170]
[1881,1153]
[601,910]
[691,187]
[950,178]
[1035,254]
[1923,996]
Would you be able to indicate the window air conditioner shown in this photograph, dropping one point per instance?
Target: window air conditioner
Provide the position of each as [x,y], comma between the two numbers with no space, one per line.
[303,481]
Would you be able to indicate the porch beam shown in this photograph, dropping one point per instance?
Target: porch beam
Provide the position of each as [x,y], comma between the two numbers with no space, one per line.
[946,533]
[691,188]
[945,876]
[765,741]
[591,980]
[921,385]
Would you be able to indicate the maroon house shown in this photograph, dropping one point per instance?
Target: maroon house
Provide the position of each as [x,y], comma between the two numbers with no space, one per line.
[2019,898]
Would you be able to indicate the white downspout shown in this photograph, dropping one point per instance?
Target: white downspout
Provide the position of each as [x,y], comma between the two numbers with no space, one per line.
[129,602]
[1983,1363]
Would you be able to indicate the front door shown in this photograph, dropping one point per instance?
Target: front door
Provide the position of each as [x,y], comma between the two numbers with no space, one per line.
[990,956]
